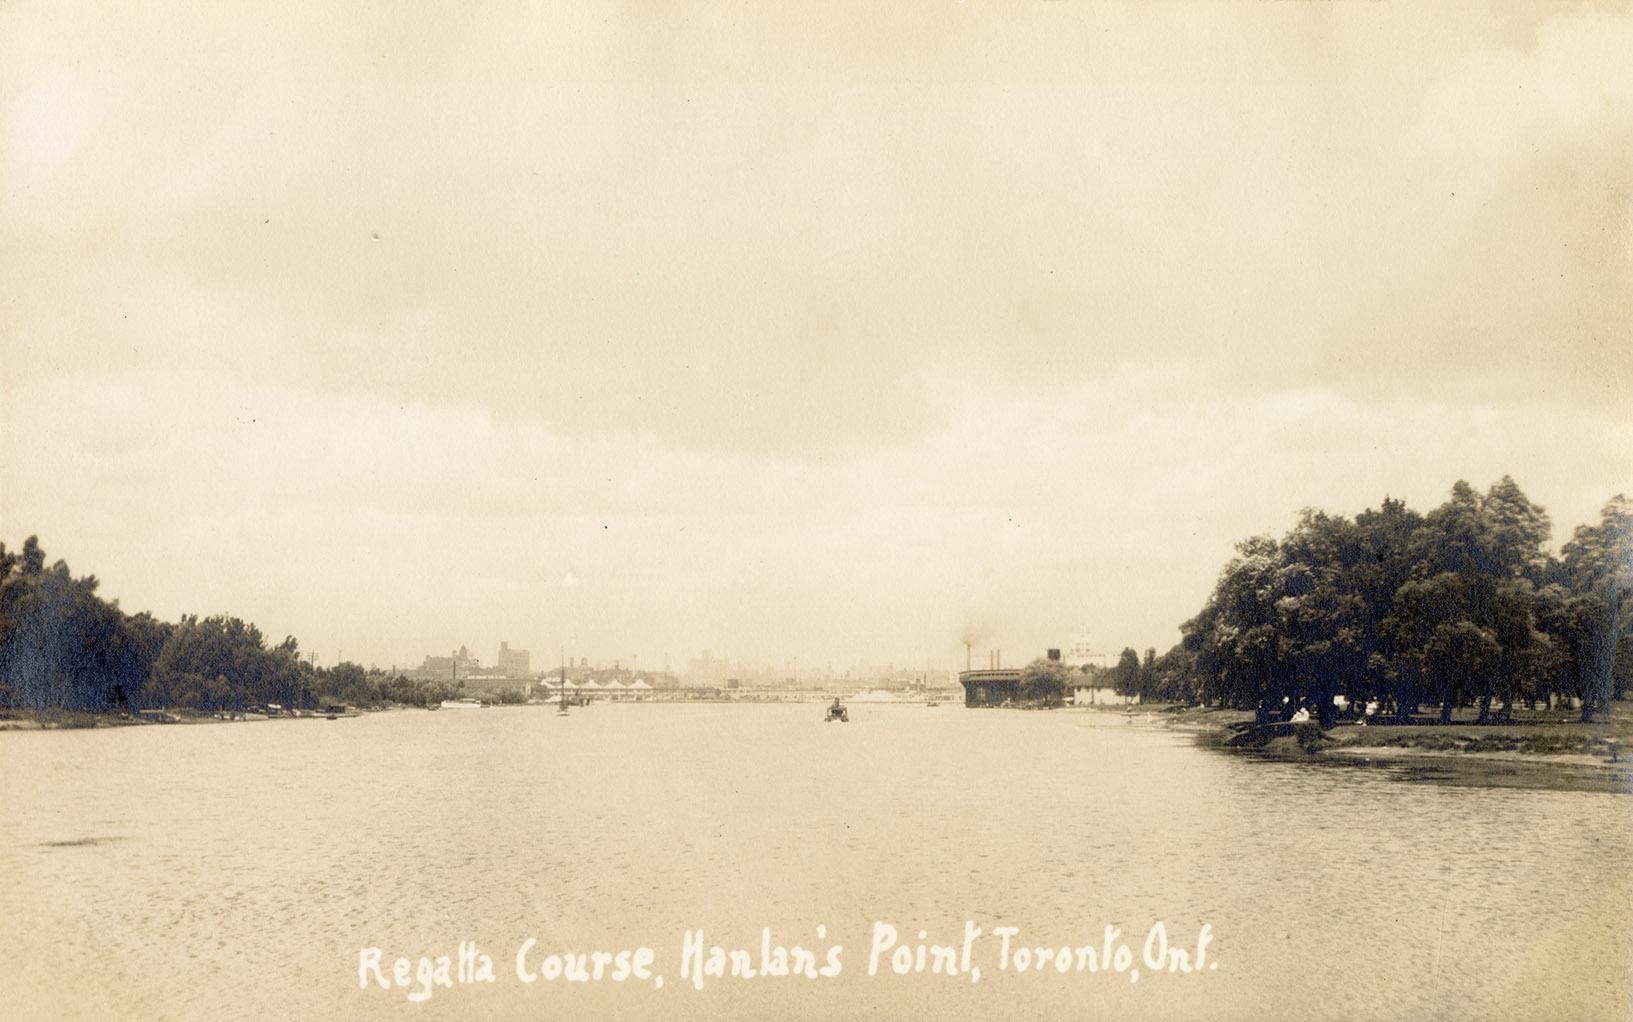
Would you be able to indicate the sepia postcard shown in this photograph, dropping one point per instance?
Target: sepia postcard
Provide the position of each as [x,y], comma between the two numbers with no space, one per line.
[949,509]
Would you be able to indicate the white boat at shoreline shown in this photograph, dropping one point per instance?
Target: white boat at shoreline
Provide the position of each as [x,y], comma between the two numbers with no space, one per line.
[462,704]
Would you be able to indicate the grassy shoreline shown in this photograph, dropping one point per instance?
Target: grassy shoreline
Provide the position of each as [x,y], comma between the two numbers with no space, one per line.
[1545,749]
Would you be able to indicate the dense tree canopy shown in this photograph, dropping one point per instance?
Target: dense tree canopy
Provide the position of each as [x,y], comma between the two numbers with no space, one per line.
[1463,606]
[62,646]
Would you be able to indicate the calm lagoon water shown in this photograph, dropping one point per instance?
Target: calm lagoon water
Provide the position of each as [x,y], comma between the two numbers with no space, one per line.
[236,871]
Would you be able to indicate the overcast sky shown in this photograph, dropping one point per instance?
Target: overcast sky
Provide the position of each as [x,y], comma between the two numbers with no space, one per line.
[815,331]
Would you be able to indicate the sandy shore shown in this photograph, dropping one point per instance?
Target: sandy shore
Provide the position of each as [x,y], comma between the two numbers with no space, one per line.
[12,719]
[52,720]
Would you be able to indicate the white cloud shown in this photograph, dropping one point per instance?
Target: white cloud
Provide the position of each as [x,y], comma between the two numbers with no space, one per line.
[779,335]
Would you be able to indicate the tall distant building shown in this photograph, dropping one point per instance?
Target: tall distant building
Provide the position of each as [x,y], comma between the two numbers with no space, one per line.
[513,663]
[707,669]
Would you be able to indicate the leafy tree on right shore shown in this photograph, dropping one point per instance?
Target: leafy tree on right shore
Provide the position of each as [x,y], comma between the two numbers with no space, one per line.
[1461,606]
[1598,567]
[1125,677]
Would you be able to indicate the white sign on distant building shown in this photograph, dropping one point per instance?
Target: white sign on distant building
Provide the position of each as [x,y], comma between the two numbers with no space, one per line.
[1080,652]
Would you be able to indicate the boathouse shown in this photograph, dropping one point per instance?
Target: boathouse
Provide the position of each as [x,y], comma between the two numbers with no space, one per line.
[994,686]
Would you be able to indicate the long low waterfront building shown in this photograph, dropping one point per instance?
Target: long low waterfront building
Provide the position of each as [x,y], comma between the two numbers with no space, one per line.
[489,684]
[637,689]
[998,686]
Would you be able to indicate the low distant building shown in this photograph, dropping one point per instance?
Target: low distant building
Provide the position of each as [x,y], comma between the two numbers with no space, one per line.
[1091,692]
[456,666]
[490,684]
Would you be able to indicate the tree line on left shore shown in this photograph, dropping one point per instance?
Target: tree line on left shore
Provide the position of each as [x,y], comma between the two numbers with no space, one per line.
[64,647]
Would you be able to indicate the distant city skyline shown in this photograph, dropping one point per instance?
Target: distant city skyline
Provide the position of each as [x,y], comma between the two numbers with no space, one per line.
[705,668]
[643,336]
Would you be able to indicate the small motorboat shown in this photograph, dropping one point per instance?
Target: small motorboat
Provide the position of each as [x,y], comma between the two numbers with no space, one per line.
[837,712]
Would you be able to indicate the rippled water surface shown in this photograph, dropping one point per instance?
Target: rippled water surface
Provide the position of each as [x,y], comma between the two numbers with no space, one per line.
[235,871]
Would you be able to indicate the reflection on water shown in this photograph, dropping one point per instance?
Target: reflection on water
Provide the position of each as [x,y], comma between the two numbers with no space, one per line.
[235,871]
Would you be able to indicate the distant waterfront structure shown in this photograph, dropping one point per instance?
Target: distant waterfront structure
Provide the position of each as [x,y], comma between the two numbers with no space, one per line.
[997,684]
[512,663]
[493,684]
[993,686]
